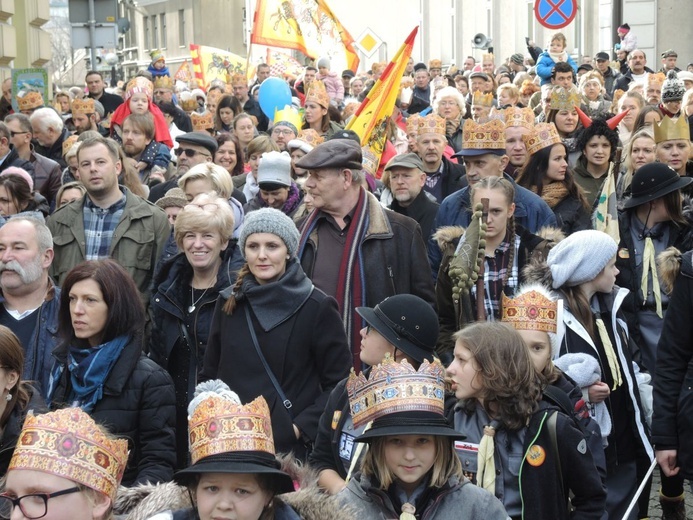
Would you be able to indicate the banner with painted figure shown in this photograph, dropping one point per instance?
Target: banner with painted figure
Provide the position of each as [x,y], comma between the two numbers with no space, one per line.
[210,63]
[308,26]
[281,63]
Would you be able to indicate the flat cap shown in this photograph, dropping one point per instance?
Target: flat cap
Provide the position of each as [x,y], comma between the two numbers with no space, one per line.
[348,73]
[337,153]
[405,160]
[601,56]
[479,74]
[345,134]
[670,53]
[200,139]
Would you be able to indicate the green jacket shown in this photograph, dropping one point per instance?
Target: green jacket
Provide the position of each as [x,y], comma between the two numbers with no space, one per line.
[138,240]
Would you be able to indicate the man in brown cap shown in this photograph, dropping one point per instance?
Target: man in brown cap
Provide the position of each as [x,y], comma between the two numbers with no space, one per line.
[351,247]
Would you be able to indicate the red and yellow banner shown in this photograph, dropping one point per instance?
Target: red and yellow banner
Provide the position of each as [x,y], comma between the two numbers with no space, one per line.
[370,119]
[183,73]
[308,26]
[281,63]
[210,63]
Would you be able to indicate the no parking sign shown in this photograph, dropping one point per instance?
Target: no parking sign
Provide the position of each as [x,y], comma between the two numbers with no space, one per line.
[555,14]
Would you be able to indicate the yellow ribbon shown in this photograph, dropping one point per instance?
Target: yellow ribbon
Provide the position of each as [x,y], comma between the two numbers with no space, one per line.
[610,354]
[649,266]
[486,470]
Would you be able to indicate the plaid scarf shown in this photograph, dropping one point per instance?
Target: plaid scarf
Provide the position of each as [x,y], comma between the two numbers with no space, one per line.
[350,284]
[498,275]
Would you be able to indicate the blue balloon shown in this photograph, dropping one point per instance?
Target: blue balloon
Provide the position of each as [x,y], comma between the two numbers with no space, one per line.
[274,94]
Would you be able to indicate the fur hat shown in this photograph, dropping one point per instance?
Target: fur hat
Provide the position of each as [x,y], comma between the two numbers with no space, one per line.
[673,88]
[580,257]
[274,168]
[270,220]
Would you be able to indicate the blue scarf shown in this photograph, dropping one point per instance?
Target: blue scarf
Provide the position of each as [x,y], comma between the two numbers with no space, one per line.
[89,368]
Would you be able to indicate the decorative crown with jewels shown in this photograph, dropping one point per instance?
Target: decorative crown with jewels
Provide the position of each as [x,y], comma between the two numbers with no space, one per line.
[542,136]
[83,106]
[139,84]
[531,311]
[564,99]
[202,122]
[431,124]
[483,136]
[317,93]
[516,116]
[30,100]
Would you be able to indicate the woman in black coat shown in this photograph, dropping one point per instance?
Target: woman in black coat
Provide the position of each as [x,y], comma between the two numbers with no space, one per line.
[100,367]
[185,291]
[547,174]
[274,311]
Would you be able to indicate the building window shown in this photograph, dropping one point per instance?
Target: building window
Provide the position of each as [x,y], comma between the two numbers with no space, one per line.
[155,32]
[162,23]
[145,26]
[181,28]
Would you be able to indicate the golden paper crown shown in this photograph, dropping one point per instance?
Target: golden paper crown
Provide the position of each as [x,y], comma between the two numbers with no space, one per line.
[30,100]
[202,122]
[83,106]
[530,311]
[393,387]
[543,135]
[669,129]
[189,105]
[67,143]
[219,425]
[238,78]
[311,137]
[655,79]
[487,57]
[139,84]
[69,444]
[214,95]
[483,136]
[318,94]
[289,115]
[413,124]
[516,116]
[564,99]
[431,124]
[479,99]
[435,64]
[369,160]
[164,82]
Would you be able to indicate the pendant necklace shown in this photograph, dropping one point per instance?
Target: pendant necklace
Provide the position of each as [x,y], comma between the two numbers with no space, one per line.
[192,307]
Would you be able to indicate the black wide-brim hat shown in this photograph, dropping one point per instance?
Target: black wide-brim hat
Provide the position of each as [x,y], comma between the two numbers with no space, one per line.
[410,423]
[652,181]
[251,462]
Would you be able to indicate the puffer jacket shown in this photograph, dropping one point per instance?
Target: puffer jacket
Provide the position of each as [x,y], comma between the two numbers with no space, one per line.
[456,500]
[13,427]
[138,404]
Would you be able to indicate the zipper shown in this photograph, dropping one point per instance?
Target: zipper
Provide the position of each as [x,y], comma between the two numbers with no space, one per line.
[392,279]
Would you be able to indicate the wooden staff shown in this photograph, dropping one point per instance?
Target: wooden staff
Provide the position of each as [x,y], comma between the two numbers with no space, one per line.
[480,291]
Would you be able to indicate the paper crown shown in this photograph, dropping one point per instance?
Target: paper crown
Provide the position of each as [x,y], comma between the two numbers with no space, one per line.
[288,116]
[189,105]
[310,137]
[164,82]
[30,100]
[139,85]
[530,311]
[202,122]
[318,94]
[516,116]
[238,78]
[669,129]
[369,160]
[487,57]
[483,136]
[68,143]
[564,99]
[413,124]
[655,79]
[69,444]
[479,99]
[214,95]
[393,387]
[219,425]
[542,136]
[83,106]
[435,64]
[431,124]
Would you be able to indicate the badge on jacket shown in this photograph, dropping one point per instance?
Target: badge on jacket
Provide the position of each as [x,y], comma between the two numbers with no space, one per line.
[623,253]
[335,418]
[536,455]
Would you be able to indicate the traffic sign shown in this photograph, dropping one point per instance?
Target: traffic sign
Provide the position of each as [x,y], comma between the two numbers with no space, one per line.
[555,14]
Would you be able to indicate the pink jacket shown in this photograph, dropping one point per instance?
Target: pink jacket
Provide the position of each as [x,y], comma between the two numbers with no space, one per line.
[334,86]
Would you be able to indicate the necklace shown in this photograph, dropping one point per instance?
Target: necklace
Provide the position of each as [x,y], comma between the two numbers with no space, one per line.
[192,307]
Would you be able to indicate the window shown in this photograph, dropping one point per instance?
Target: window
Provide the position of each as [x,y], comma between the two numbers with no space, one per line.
[181,28]
[162,23]
[145,26]
[155,32]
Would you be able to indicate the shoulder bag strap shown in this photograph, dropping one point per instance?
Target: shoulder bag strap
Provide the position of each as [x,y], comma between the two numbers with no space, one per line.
[287,404]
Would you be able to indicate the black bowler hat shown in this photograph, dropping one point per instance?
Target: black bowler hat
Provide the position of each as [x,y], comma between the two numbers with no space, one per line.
[410,423]
[406,321]
[652,181]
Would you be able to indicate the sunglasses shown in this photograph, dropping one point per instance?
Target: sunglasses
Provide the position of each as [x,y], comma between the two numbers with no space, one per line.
[189,152]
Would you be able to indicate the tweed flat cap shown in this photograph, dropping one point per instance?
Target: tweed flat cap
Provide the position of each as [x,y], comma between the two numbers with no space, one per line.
[337,153]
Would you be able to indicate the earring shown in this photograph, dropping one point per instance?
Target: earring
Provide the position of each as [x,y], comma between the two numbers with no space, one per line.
[8,397]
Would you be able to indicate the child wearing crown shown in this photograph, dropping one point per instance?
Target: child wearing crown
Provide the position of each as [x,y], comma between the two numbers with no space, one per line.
[410,469]
[517,446]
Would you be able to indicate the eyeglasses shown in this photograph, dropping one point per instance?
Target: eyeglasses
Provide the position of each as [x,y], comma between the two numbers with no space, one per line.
[283,131]
[12,134]
[189,152]
[32,506]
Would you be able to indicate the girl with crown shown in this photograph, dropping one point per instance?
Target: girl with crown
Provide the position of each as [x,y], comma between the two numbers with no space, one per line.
[674,145]
[517,446]
[410,470]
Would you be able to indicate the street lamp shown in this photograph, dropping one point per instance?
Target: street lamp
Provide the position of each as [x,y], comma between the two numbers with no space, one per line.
[112,60]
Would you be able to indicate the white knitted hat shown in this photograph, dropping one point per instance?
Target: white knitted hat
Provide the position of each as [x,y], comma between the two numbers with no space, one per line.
[274,168]
[580,257]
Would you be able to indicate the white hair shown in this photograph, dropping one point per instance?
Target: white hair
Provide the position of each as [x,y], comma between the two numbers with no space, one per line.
[450,92]
[46,118]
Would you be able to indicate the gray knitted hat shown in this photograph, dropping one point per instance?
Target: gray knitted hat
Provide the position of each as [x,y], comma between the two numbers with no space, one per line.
[580,257]
[673,88]
[270,220]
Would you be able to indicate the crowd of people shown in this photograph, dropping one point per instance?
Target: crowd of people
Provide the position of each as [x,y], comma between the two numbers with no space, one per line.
[212,312]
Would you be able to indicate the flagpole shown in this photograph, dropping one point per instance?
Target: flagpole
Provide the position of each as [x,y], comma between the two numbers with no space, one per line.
[250,41]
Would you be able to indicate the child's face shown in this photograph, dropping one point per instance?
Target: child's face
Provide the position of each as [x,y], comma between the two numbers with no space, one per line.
[218,493]
[556,46]
[159,64]
[463,371]
[539,347]
[410,458]
[139,103]
[324,71]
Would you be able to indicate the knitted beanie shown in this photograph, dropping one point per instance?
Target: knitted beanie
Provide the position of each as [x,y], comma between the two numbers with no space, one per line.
[580,257]
[673,88]
[270,220]
[517,58]
[324,62]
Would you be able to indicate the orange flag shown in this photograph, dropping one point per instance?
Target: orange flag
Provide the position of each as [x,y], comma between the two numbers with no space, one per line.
[307,26]
[370,119]
[183,72]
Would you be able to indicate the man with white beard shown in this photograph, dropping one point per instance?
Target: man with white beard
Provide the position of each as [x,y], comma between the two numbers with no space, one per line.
[30,300]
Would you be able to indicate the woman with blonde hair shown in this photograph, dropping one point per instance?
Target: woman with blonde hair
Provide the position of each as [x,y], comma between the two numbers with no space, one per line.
[639,151]
[508,95]
[633,103]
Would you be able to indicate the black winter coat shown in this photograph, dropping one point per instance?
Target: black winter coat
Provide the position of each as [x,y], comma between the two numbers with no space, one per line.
[422,209]
[13,427]
[571,216]
[307,353]
[672,423]
[138,404]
